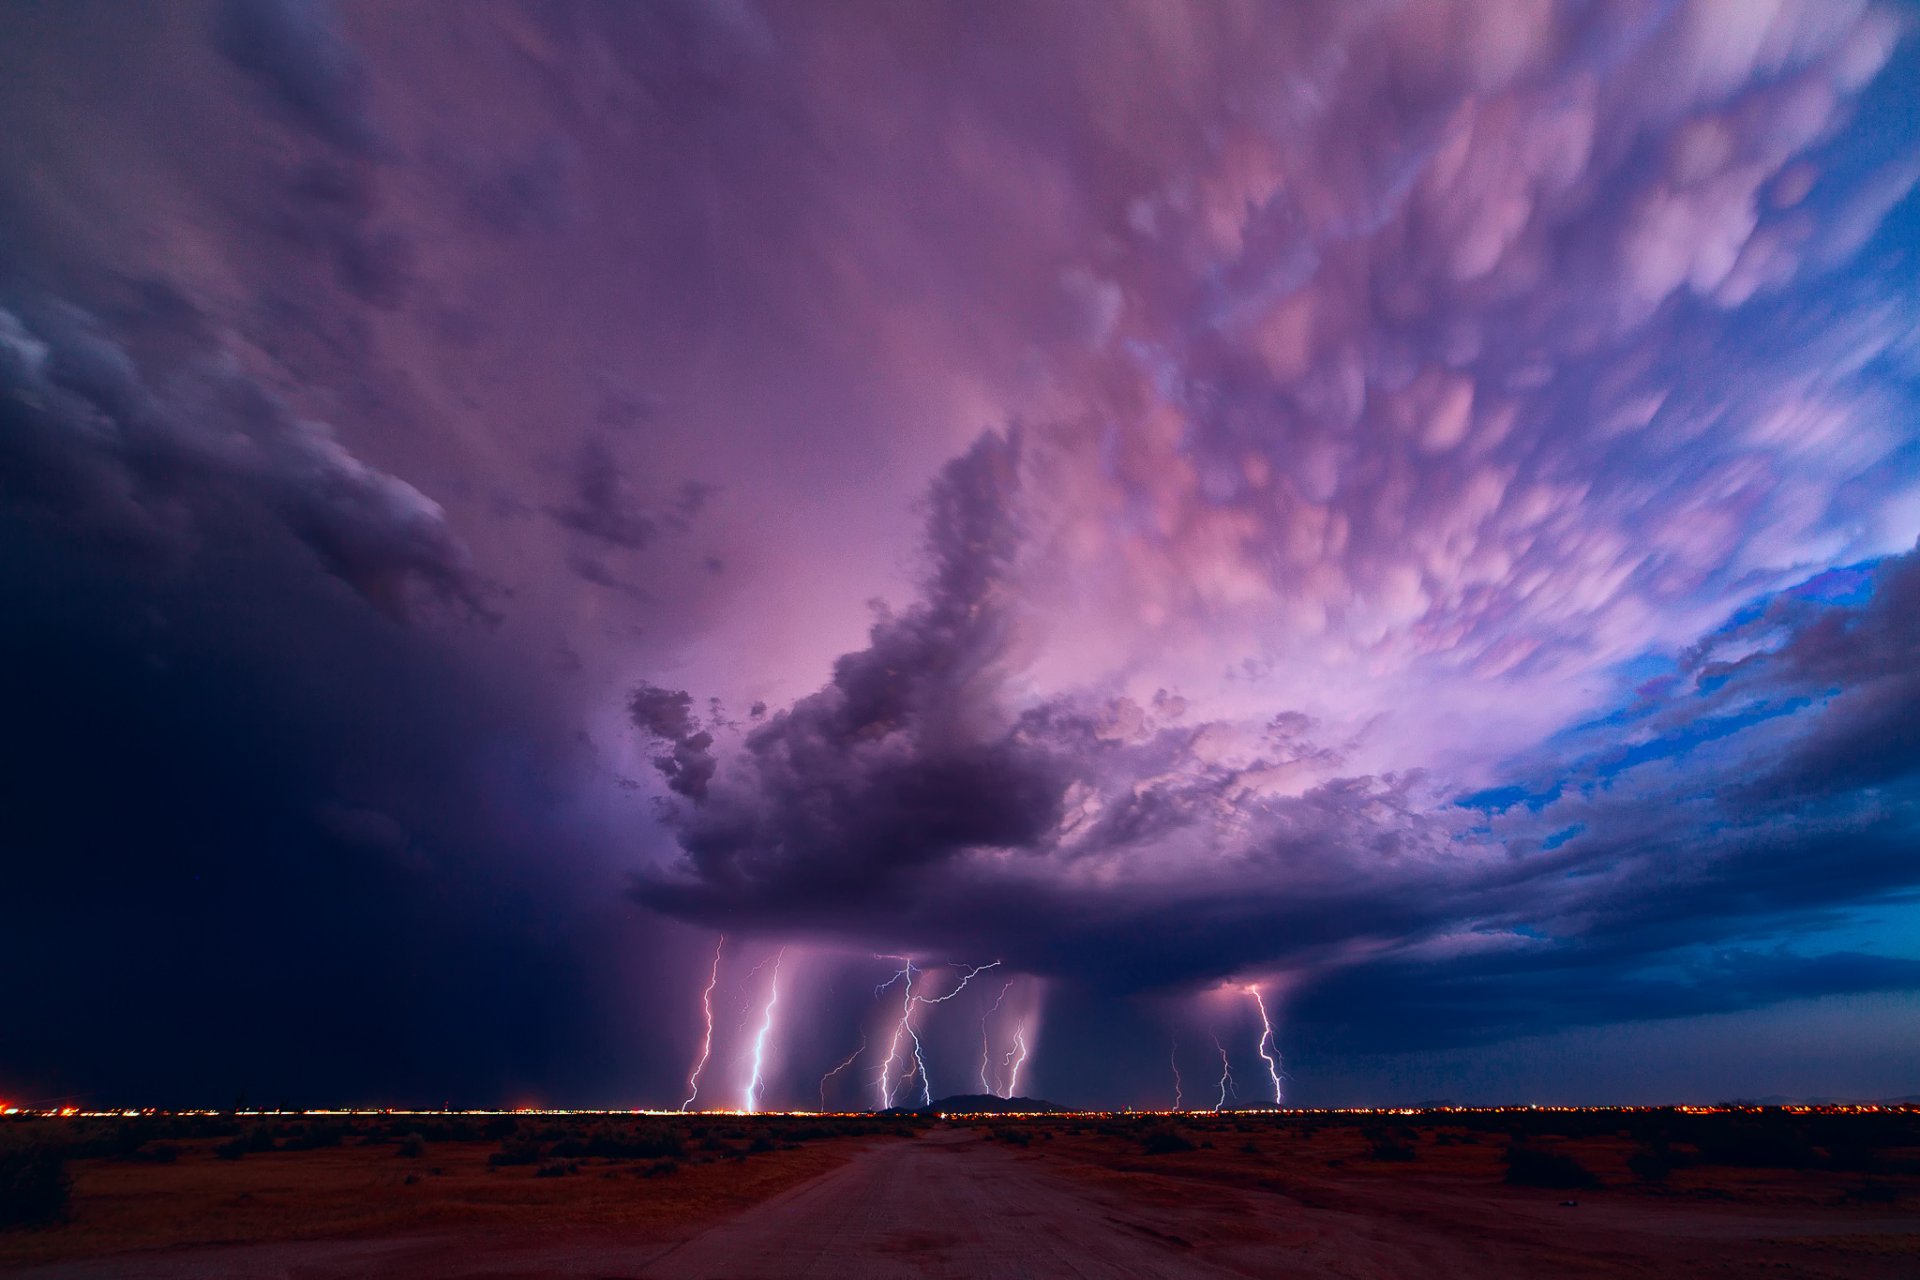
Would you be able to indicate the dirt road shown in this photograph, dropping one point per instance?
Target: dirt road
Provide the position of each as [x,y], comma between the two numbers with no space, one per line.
[947,1205]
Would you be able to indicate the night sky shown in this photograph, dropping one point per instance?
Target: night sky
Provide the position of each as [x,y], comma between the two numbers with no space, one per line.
[1406,509]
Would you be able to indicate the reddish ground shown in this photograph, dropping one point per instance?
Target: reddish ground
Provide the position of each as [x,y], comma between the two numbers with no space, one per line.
[1002,1198]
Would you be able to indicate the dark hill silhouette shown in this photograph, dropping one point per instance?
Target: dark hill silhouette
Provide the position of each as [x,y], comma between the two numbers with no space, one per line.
[983,1102]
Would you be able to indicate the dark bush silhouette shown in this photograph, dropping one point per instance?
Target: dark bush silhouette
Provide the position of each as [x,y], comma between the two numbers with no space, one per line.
[1532,1167]
[1391,1149]
[35,1190]
[1162,1142]
[413,1146]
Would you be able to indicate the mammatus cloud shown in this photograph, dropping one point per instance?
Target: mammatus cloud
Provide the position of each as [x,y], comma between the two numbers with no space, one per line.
[1381,468]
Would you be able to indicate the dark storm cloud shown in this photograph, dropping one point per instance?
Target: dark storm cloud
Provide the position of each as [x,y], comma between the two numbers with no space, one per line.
[235,785]
[861,789]
[292,50]
[1096,842]
[90,446]
[603,505]
[667,716]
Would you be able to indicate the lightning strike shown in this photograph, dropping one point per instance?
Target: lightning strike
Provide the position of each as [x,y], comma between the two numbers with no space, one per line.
[760,1040]
[848,1061]
[971,974]
[1013,1072]
[1226,1074]
[986,1046]
[1267,1039]
[706,1043]
[1173,1060]
[905,1026]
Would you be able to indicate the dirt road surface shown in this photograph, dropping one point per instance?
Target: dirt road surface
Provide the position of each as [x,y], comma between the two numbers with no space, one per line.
[947,1205]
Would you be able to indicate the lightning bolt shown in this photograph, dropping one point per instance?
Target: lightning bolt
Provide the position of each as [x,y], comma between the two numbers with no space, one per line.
[760,1040]
[970,976]
[1226,1074]
[1266,1038]
[887,1086]
[1013,1073]
[706,1043]
[986,1047]
[847,1062]
[1173,1059]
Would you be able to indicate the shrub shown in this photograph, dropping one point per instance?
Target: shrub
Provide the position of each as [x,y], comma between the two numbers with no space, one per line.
[1390,1149]
[232,1149]
[1161,1142]
[35,1190]
[413,1146]
[1532,1167]
[662,1168]
[499,1128]
[761,1142]
[556,1169]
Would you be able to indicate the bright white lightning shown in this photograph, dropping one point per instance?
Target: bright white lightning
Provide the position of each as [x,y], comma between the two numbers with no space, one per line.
[1173,1060]
[971,974]
[888,1084]
[905,1025]
[706,1044]
[1226,1074]
[986,1046]
[1013,1072]
[760,1040]
[845,1063]
[1266,1039]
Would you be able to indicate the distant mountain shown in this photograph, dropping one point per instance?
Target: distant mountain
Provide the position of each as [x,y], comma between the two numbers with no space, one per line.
[986,1102]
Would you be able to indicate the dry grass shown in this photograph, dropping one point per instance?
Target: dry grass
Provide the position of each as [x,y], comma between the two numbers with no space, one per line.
[361,1191]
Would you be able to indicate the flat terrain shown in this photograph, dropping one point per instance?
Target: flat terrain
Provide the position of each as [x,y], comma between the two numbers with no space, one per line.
[1069,1196]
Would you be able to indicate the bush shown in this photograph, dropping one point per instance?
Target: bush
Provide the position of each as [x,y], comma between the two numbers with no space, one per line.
[761,1142]
[662,1168]
[1390,1149]
[232,1149]
[1532,1167]
[1162,1142]
[556,1169]
[35,1190]
[413,1146]
[499,1128]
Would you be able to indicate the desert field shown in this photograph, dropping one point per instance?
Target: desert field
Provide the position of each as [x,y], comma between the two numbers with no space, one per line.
[1494,1193]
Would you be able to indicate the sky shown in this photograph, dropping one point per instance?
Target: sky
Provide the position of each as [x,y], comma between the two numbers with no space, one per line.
[834,554]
